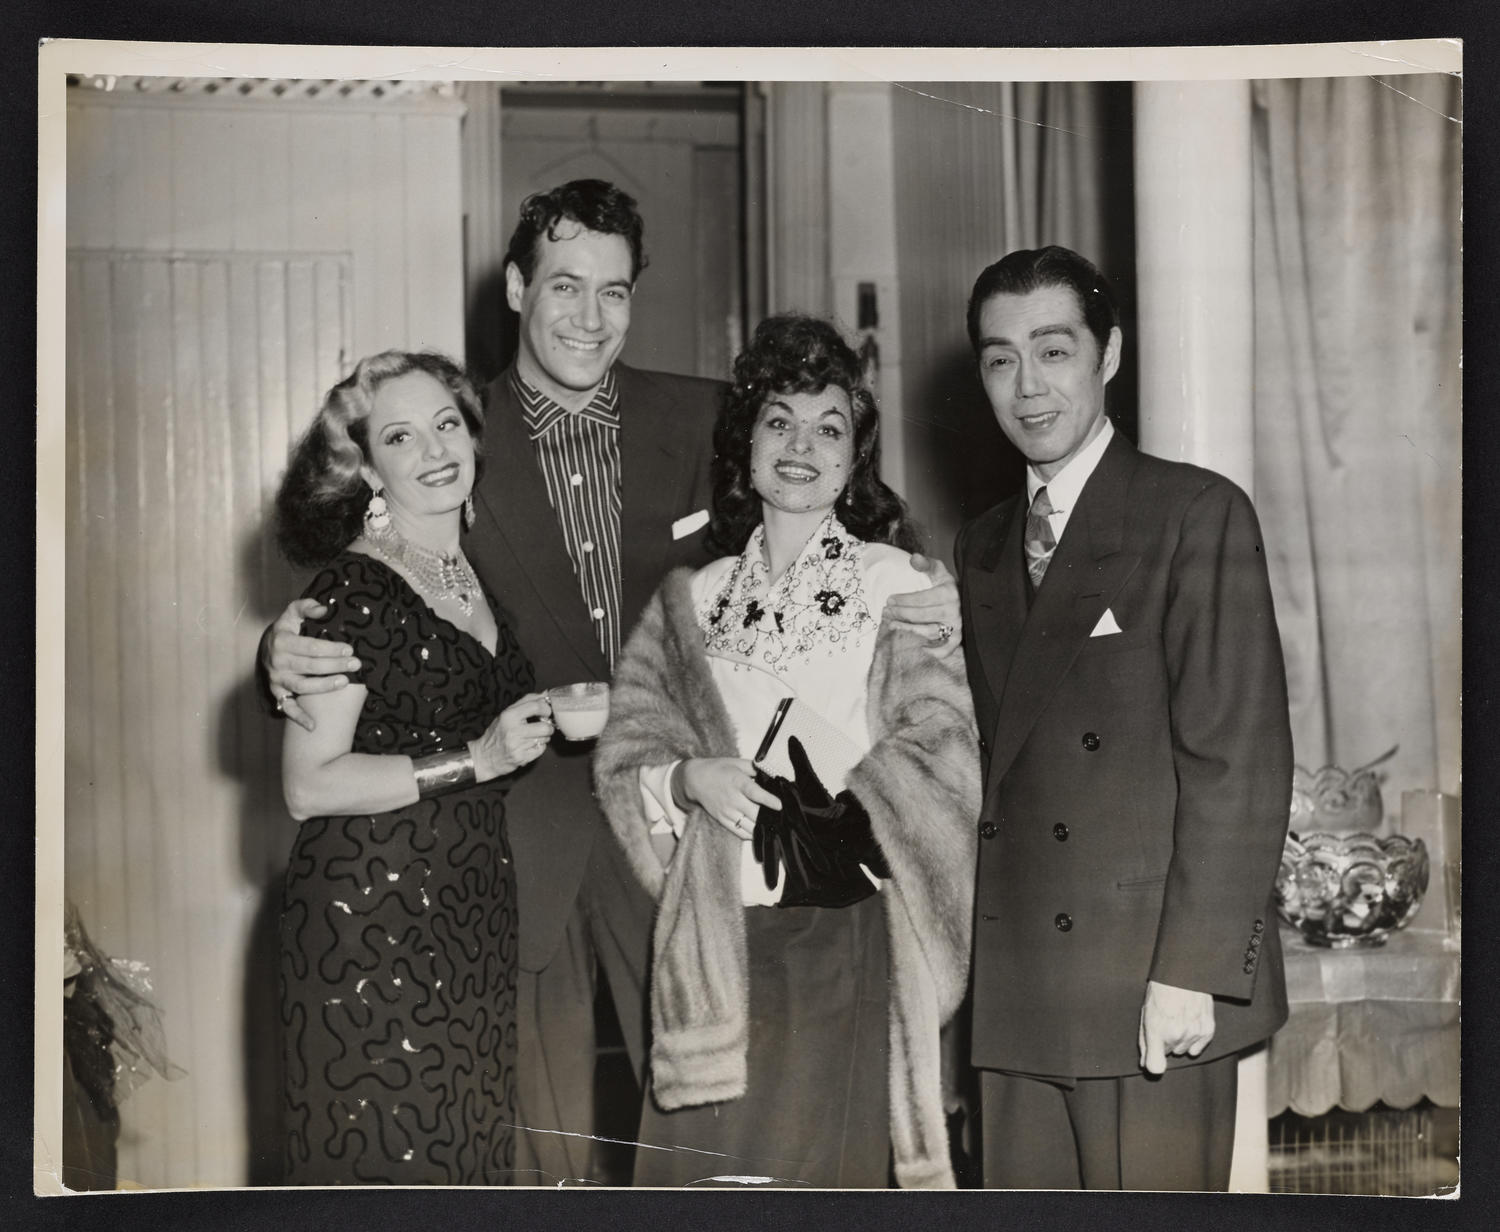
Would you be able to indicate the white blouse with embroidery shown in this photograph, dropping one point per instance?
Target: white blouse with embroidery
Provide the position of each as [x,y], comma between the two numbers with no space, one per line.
[810,635]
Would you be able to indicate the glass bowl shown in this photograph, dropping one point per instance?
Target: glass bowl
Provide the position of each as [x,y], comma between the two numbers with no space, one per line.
[1350,889]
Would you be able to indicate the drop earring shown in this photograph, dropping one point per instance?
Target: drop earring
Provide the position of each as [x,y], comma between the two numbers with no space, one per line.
[377,515]
[469,512]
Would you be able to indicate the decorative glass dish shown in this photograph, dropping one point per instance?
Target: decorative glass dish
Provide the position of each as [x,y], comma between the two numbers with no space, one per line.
[1350,889]
[1338,800]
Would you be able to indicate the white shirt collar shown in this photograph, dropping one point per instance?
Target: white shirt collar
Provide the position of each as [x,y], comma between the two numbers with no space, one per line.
[1064,488]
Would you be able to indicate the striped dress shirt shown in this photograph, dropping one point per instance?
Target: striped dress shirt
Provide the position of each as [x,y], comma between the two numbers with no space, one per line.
[579,453]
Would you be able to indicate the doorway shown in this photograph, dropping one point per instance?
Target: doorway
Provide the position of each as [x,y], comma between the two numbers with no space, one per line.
[679,149]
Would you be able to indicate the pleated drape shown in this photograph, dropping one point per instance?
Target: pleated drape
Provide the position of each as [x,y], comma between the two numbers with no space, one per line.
[1357,414]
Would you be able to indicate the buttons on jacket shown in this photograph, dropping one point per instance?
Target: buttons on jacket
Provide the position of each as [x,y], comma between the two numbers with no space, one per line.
[1090,741]
[1252,951]
[1060,832]
[1063,921]
[988,830]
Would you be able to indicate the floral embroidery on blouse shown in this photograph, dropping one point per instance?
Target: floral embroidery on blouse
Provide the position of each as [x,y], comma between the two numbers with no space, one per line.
[816,607]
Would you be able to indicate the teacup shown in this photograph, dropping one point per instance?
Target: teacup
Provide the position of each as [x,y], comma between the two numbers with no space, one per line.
[579,710]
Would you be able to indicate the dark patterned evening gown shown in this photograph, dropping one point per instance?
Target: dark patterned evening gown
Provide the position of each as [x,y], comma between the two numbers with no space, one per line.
[398,930]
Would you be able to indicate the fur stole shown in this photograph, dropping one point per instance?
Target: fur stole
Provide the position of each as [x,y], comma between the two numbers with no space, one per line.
[920,783]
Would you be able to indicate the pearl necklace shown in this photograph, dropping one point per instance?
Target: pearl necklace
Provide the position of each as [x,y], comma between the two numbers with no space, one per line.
[441,575]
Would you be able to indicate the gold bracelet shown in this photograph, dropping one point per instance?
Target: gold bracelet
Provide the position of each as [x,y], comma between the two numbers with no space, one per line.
[440,772]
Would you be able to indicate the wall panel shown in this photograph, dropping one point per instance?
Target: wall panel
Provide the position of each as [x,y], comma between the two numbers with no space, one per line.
[167,566]
[227,261]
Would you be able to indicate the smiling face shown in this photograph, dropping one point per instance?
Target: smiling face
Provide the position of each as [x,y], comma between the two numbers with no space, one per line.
[420,449]
[1044,375]
[575,311]
[801,451]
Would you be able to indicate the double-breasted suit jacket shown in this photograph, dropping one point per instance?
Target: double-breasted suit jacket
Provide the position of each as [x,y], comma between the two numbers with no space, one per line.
[1137,783]
[666,446]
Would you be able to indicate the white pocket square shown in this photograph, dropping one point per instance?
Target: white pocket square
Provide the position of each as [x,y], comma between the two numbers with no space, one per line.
[687,525]
[1107,625]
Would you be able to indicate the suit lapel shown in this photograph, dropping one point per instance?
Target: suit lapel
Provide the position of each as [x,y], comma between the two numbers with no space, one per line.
[514,495]
[1087,571]
[654,475]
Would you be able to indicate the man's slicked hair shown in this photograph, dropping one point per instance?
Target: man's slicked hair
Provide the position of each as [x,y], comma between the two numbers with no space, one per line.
[1030,269]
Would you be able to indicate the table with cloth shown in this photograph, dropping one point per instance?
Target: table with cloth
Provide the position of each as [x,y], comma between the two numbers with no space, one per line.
[1367,1025]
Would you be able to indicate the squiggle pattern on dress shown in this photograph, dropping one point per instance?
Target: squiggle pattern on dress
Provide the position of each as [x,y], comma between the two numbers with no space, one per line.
[398,930]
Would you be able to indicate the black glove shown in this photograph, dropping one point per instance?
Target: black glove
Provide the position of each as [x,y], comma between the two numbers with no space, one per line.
[783,840]
[840,826]
[817,839]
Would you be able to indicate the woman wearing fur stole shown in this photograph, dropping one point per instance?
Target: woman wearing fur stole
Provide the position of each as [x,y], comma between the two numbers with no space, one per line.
[812,863]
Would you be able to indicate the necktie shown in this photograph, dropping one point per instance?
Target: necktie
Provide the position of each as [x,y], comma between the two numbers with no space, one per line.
[1040,541]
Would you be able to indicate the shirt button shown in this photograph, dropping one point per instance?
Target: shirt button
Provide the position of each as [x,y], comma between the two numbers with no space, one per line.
[597,613]
[1090,741]
[587,546]
[1260,926]
[1249,968]
[988,830]
[1063,921]
[1060,832]
[576,480]
[1255,943]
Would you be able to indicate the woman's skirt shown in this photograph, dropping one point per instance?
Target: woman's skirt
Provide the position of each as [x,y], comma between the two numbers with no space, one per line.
[815,1112]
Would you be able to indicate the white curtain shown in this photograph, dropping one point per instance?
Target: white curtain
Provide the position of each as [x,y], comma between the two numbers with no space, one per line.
[1358,422]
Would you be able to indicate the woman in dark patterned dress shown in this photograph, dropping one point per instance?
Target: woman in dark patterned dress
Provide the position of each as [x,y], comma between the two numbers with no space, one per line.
[398,929]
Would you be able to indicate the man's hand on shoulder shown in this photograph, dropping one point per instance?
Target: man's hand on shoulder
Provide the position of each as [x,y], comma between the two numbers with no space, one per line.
[295,664]
[1174,1022]
[933,611]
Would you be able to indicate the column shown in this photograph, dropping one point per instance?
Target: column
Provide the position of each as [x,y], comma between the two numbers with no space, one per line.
[862,242]
[797,189]
[1193,270]
[1196,349]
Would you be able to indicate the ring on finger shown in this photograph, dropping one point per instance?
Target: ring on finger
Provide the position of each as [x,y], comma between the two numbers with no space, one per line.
[944,632]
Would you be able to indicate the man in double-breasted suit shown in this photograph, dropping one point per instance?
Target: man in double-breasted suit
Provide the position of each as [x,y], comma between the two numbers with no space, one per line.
[1131,698]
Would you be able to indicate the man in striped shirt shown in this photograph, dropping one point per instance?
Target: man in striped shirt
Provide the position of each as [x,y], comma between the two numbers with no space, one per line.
[596,483]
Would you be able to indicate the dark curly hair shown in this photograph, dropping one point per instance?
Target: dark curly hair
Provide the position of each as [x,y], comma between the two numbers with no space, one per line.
[320,505]
[800,355]
[596,205]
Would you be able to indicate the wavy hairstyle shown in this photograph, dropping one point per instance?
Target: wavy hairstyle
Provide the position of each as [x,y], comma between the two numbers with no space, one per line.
[320,506]
[595,205]
[800,355]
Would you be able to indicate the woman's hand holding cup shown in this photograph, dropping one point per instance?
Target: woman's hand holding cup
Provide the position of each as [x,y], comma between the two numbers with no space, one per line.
[516,738]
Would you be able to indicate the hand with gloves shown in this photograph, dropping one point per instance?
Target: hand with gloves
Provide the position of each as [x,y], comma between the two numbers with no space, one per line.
[820,840]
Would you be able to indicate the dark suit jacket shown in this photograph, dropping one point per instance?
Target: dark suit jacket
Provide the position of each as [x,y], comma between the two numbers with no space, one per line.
[1137,785]
[516,545]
